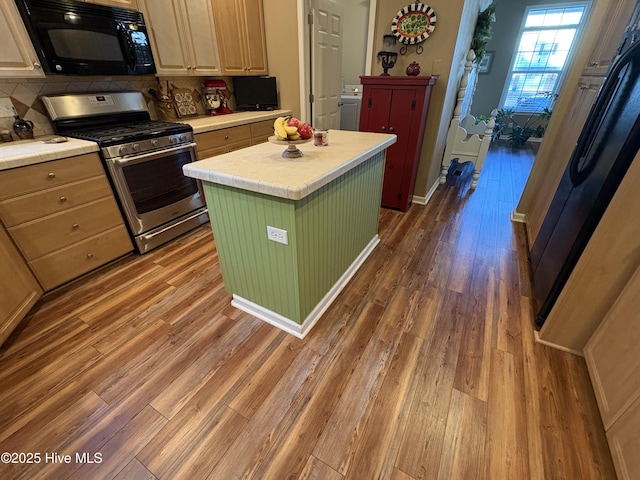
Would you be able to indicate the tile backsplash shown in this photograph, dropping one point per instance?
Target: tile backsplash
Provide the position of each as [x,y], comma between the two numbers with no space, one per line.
[25,94]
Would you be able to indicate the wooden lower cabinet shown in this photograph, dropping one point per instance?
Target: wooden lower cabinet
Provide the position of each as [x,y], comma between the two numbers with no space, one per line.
[217,142]
[19,290]
[63,217]
[225,140]
[79,258]
[613,360]
[261,131]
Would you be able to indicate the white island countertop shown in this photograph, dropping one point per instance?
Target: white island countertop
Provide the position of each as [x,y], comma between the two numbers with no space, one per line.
[261,168]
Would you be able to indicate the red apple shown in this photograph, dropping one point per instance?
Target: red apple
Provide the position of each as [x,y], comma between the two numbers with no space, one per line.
[305,130]
[293,122]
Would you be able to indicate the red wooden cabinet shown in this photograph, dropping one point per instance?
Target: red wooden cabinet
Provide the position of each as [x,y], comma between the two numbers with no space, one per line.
[397,105]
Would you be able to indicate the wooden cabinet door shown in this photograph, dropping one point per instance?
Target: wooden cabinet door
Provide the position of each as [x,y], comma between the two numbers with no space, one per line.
[613,356]
[255,44]
[165,34]
[200,30]
[241,38]
[399,161]
[17,55]
[387,110]
[624,443]
[613,26]
[19,289]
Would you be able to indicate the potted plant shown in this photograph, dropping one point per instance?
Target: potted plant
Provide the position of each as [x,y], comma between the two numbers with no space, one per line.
[509,124]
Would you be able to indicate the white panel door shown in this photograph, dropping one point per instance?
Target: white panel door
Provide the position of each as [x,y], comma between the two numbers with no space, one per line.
[327,63]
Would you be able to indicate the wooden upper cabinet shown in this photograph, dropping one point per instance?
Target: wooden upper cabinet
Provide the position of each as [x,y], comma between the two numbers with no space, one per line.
[241,37]
[17,55]
[613,26]
[19,289]
[183,36]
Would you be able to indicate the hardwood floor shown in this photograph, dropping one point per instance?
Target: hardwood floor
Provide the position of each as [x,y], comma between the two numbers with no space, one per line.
[424,368]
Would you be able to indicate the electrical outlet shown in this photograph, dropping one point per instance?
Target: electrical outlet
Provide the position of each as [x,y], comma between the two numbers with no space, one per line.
[277,235]
[6,107]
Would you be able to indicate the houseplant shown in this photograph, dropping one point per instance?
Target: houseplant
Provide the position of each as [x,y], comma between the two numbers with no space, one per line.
[483,31]
[517,131]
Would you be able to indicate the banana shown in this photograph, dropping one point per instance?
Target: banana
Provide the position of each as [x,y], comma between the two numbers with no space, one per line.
[278,128]
[291,130]
[294,136]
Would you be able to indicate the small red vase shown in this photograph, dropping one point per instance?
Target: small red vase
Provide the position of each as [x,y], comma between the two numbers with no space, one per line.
[413,69]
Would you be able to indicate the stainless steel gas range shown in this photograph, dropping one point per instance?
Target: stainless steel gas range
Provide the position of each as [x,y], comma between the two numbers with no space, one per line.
[143,159]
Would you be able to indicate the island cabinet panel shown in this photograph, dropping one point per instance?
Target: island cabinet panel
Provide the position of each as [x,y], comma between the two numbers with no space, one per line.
[327,231]
[397,105]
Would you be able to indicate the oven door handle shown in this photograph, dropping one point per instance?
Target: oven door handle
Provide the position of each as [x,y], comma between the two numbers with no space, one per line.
[133,159]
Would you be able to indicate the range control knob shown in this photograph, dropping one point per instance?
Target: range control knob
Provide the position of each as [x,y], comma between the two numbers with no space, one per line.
[155,142]
[173,140]
[123,150]
[183,138]
[136,147]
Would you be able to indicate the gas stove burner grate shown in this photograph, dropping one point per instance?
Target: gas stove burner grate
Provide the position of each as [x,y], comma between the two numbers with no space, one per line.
[130,131]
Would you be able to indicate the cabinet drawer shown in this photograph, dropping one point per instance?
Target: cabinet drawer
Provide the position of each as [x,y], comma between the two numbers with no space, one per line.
[221,138]
[47,234]
[59,267]
[41,176]
[261,131]
[212,152]
[39,204]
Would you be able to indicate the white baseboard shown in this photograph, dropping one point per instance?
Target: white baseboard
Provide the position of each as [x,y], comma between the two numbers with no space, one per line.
[424,200]
[518,217]
[294,328]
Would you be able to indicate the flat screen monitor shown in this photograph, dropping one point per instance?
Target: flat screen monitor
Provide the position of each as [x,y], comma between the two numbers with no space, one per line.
[255,93]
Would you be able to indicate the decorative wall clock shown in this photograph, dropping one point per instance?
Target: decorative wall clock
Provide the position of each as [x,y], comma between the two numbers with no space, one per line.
[414,23]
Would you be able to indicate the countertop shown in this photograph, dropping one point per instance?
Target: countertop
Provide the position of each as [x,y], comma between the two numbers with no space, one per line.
[216,122]
[28,152]
[261,168]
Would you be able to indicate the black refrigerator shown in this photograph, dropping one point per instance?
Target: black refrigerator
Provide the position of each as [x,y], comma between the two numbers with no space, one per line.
[606,147]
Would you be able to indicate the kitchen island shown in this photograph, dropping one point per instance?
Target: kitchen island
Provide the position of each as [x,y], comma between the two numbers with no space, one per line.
[290,233]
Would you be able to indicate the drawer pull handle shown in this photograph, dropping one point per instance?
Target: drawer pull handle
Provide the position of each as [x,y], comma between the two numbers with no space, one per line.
[75,226]
[51,175]
[63,199]
[383,128]
[89,255]
[226,137]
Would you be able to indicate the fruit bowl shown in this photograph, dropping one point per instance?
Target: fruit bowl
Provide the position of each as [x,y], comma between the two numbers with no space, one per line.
[291,151]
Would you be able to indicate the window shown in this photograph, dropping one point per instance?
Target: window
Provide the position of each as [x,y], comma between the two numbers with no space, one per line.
[546,38]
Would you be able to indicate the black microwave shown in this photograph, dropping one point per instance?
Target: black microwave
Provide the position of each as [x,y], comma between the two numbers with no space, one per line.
[77,38]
